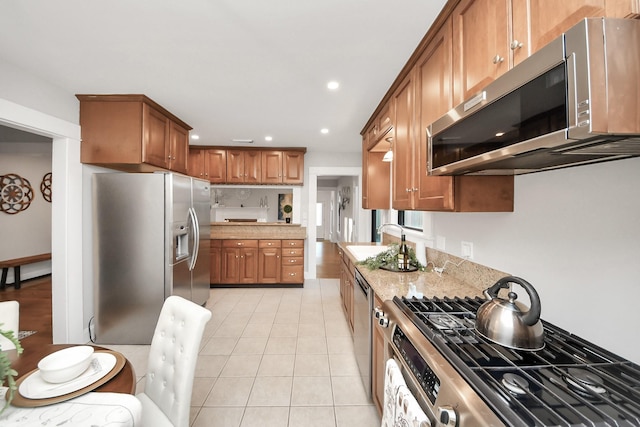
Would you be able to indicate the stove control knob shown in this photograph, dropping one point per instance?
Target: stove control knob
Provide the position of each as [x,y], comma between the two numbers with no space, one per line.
[378,312]
[384,322]
[448,416]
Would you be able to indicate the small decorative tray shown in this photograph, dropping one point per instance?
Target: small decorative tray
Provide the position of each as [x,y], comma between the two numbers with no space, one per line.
[34,391]
[393,268]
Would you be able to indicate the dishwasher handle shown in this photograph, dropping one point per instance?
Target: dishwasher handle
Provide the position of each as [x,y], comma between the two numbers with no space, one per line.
[364,286]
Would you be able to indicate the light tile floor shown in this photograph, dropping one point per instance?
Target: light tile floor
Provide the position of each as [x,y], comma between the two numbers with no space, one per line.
[275,357]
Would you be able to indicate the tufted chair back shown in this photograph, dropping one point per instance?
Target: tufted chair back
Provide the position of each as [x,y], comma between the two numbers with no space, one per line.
[172,361]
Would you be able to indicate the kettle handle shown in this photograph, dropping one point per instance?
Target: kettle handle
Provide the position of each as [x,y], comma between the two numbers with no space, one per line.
[532,316]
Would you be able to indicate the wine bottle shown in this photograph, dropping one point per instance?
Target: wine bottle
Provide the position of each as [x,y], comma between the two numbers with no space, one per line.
[403,255]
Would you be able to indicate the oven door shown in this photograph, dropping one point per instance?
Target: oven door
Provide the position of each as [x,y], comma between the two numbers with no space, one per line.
[444,396]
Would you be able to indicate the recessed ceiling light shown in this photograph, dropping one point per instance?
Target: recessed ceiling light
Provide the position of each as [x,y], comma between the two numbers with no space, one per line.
[333,85]
[499,134]
[268,138]
[195,137]
[324,130]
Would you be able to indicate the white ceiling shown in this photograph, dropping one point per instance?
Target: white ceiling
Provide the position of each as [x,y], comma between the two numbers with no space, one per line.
[232,69]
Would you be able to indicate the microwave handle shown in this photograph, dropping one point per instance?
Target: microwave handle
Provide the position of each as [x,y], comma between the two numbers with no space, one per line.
[572,92]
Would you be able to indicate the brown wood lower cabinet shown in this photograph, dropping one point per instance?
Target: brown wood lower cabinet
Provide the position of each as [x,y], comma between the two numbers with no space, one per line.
[257,261]
[215,254]
[239,263]
[347,279]
[269,261]
[292,261]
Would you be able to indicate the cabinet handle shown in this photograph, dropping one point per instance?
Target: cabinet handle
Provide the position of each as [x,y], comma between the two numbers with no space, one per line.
[516,45]
[415,189]
[239,243]
[498,59]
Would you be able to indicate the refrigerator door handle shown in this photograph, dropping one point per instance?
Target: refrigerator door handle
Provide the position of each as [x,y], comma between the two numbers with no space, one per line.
[196,237]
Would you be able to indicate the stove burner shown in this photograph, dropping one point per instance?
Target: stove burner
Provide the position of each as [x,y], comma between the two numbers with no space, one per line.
[515,383]
[444,322]
[584,382]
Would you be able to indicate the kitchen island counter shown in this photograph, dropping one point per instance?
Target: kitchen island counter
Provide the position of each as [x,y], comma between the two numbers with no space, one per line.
[466,279]
[257,230]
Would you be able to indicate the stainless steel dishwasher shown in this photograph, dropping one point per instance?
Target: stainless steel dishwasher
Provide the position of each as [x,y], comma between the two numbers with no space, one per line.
[362,338]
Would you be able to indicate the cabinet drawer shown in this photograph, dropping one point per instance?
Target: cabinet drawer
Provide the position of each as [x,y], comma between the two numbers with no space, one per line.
[292,274]
[293,243]
[239,243]
[215,243]
[292,261]
[286,251]
[269,243]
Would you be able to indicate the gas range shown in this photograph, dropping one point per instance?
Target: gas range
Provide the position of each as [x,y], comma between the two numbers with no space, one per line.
[462,379]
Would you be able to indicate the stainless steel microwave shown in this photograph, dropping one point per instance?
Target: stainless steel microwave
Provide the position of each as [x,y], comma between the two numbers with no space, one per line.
[575,101]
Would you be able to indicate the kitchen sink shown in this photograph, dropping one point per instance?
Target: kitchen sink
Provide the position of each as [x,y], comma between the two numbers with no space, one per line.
[362,252]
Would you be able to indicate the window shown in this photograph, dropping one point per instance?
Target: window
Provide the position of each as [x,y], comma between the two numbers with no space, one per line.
[410,219]
[319,213]
[376,221]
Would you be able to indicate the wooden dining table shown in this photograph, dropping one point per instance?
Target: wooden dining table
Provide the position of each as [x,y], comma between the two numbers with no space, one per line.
[123,382]
[108,401]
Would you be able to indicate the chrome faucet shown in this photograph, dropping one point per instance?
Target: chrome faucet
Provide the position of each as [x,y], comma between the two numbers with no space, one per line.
[392,225]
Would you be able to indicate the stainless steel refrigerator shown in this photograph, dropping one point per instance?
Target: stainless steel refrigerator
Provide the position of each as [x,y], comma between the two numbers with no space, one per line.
[150,241]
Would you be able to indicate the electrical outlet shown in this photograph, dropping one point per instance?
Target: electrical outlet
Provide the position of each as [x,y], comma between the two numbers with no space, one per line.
[440,241]
[466,249]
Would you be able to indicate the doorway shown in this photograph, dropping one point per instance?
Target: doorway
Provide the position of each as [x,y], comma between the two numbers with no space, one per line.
[66,214]
[361,221]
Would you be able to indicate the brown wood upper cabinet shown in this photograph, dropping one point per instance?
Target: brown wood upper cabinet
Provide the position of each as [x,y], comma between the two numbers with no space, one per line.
[490,37]
[247,165]
[131,133]
[243,166]
[282,167]
[208,164]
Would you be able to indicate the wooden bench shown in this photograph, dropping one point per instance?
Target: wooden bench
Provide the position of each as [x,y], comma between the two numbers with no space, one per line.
[16,263]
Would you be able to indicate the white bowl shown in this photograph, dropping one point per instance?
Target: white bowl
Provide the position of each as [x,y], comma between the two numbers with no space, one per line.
[66,364]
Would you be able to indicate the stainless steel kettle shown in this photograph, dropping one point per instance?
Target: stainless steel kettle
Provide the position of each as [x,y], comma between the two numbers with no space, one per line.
[509,323]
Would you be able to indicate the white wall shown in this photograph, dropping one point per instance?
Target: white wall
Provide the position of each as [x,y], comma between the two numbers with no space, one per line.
[27,232]
[575,236]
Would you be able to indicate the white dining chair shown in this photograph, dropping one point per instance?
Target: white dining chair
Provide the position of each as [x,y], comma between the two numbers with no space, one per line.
[10,319]
[166,398]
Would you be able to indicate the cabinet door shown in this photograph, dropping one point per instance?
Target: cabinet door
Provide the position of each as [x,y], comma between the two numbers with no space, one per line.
[248,265]
[230,265]
[540,22]
[434,98]
[292,167]
[155,141]
[216,165]
[481,52]
[235,166]
[215,254]
[252,167]
[271,167]
[196,163]
[403,161]
[269,265]
[178,147]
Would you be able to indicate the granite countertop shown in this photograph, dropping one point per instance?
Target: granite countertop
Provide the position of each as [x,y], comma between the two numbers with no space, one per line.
[468,280]
[257,230]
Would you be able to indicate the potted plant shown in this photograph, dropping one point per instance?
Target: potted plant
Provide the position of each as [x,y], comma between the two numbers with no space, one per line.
[287,209]
[7,374]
